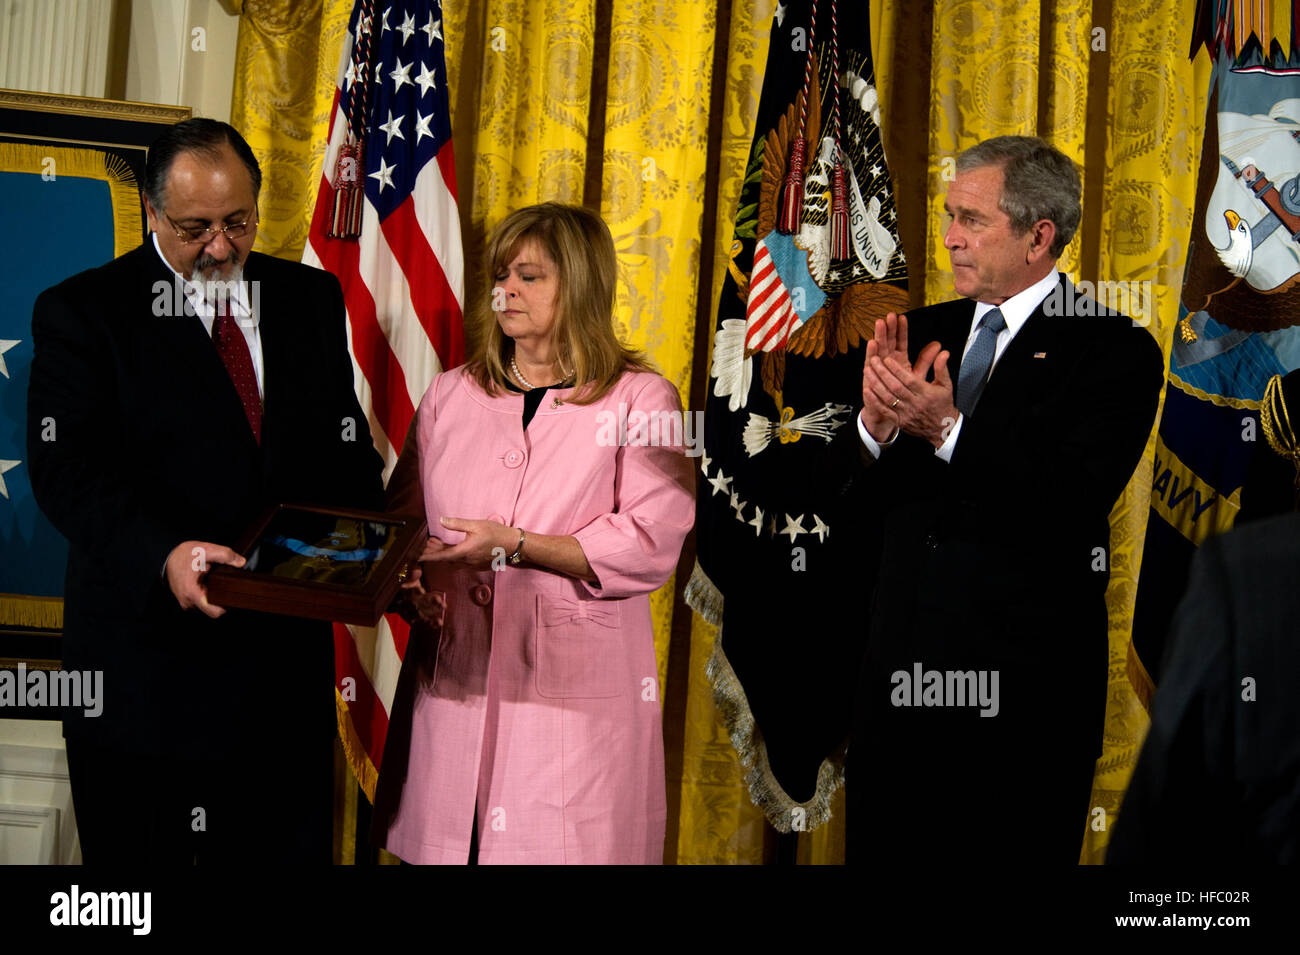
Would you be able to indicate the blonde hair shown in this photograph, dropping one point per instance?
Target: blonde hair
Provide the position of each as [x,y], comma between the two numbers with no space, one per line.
[578,242]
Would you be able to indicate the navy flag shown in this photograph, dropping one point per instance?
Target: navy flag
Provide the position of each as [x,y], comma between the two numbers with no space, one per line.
[1223,452]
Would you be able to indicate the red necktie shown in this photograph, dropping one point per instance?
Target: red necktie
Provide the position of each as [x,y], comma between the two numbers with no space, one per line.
[233,349]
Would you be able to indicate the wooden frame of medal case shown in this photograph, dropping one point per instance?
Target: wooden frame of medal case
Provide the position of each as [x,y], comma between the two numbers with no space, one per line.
[318,600]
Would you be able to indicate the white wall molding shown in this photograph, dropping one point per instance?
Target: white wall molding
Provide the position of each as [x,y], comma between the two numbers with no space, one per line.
[36,813]
[56,46]
[29,835]
[176,52]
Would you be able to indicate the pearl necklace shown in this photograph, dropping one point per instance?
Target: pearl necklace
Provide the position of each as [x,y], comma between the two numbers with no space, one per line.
[528,384]
[520,375]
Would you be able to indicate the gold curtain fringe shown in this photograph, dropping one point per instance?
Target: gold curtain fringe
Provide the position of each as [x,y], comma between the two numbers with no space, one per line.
[358,759]
[703,597]
[764,790]
[124,191]
[20,610]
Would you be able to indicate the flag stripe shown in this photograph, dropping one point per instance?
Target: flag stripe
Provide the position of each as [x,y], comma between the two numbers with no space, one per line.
[369,715]
[778,326]
[438,216]
[390,400]
[403,284]
[393,334]
[379,652]
[429,293]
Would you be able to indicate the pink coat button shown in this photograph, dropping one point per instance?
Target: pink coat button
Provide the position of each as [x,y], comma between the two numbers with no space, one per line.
[514,458]
[482,595]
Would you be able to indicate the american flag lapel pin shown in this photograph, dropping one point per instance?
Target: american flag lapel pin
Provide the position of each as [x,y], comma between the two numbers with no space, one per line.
[1040,354]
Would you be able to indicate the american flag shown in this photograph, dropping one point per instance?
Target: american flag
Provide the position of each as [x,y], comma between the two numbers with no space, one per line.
[403,282]
[769,314]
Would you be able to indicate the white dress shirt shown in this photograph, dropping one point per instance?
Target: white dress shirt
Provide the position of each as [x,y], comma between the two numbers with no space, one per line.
[239,311]
[1015,311]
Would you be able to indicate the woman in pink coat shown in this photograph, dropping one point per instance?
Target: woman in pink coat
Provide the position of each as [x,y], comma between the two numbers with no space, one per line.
[555,507]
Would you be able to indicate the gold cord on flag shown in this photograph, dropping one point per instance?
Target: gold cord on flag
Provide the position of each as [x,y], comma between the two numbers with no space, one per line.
[1275,419]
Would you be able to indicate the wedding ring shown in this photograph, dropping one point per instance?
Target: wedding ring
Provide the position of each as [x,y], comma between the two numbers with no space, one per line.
[895,404]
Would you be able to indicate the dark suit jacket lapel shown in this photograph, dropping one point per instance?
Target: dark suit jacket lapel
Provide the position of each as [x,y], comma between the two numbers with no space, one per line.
[177,328]
[182,336]
[1035,336]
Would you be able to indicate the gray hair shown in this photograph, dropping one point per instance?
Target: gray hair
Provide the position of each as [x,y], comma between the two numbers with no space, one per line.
[1039,182]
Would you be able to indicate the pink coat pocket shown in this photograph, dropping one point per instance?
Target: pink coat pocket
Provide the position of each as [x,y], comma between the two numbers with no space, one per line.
[579,651]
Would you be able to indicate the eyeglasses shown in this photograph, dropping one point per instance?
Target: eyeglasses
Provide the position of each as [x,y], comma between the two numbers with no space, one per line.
[206,234]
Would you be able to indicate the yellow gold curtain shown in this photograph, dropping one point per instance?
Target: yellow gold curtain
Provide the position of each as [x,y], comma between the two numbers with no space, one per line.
[610,102]
[286,66]
[520,112]
[1157,123]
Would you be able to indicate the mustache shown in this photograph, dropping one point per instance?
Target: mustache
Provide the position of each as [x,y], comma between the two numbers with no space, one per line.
[206,261]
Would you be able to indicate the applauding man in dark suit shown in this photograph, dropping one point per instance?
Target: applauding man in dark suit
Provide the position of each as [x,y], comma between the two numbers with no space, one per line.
[997,432]
[175,393]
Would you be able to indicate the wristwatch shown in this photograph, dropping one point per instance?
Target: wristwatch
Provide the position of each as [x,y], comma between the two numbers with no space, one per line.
[517,557]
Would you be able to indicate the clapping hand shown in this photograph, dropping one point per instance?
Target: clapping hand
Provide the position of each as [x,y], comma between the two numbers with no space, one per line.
[879,404]
[896,391]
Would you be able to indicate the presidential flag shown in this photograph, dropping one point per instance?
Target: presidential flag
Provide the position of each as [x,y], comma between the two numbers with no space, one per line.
[814,261]
[1238,315]
[386,224]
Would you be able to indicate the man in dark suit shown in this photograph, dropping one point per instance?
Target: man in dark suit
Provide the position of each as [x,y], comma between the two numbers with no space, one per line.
[1218,781]
[997,432]
[175,393]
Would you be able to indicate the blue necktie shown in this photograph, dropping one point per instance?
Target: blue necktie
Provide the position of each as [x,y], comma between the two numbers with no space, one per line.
[975,366]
